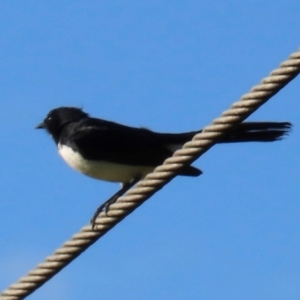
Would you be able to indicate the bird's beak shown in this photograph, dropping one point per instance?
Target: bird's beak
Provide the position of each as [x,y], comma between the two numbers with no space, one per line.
[40,126]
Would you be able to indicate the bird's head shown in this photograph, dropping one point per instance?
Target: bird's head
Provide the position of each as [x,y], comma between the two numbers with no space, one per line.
[59,117]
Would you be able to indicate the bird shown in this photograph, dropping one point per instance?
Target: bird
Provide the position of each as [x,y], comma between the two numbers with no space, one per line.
[113,152]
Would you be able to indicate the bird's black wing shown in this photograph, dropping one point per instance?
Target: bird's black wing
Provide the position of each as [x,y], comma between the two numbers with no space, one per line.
[98,139]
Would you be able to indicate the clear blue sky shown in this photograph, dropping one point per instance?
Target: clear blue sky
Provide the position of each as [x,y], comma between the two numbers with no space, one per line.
[233,233]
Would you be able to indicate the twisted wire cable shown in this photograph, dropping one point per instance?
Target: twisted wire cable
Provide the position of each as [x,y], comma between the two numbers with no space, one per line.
[154,181]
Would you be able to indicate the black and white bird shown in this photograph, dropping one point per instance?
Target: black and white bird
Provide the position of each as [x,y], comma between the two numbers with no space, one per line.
[113,152]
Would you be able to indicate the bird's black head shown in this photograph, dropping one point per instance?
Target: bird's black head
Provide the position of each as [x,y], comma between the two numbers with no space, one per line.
[60,117]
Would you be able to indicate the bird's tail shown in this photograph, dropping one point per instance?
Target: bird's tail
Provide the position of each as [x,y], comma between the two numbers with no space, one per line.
[245,132]
[258,132]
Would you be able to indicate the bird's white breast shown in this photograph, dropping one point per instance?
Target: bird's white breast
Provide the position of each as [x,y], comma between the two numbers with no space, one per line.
[102,170]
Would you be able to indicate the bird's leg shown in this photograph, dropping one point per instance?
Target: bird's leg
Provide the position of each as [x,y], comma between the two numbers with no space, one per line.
[113,199]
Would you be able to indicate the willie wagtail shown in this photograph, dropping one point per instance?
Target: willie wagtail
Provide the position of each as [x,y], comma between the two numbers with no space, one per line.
[113,152]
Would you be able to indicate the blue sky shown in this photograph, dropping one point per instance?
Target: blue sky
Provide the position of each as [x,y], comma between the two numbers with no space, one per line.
[234,232]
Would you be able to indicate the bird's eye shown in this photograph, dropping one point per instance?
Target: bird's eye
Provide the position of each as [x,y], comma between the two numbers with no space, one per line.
[49,118]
